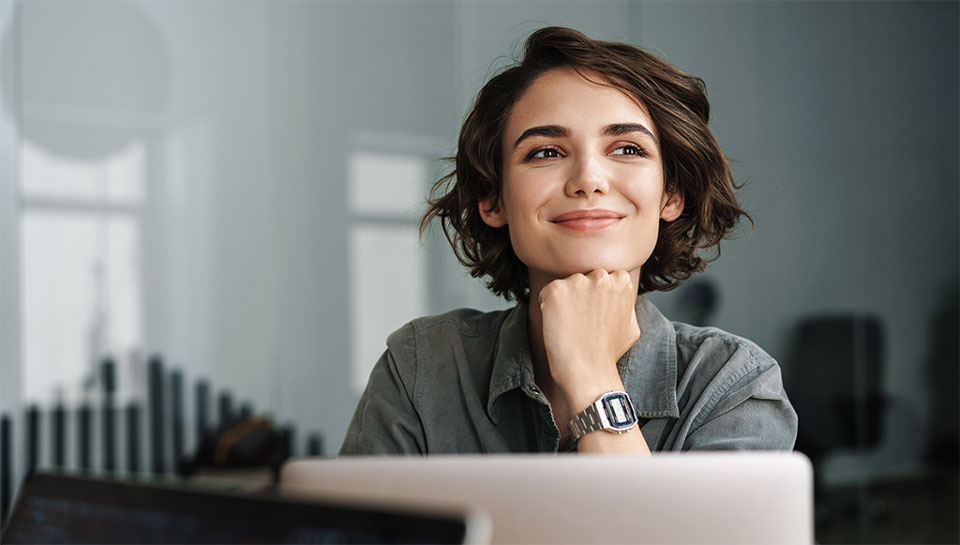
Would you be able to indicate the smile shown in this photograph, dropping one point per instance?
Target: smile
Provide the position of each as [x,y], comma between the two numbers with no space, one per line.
[587,220]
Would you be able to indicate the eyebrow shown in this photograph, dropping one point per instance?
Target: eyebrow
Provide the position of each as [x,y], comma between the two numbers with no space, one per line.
[617,129]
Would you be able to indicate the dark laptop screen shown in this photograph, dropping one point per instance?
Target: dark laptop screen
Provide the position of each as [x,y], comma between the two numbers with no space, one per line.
[62,509]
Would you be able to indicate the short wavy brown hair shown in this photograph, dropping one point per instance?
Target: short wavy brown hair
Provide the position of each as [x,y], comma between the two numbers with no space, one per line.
[692,161]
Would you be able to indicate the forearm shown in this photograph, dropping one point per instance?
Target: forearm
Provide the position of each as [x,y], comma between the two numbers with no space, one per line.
[585,324]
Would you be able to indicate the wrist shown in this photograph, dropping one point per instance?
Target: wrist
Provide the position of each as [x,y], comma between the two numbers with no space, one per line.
[583,393]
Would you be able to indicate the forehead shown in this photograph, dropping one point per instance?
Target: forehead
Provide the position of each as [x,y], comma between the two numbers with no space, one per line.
[564,97]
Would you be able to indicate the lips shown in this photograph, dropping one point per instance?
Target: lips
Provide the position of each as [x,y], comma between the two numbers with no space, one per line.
[587,220]
[586,214]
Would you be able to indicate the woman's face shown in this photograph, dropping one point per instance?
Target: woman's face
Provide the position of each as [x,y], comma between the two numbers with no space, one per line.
[583,184]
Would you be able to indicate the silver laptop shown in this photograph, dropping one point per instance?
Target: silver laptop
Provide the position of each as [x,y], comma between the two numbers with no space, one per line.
[667,498]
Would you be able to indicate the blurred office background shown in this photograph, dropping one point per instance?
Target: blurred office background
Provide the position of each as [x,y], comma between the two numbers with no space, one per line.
[235,186]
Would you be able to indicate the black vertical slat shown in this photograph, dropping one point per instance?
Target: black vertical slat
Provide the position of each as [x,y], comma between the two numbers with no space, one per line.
[202,405]
[33,438]
[283,440]
[291,439]
[108,416]
[315,445]
[156,415]
[59,436]
[226,407]
[5,468]
[285,437]
[133,438]
[176,400]
[84,440]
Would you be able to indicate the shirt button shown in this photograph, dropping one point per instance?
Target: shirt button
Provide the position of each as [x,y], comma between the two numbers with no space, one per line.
[534,389]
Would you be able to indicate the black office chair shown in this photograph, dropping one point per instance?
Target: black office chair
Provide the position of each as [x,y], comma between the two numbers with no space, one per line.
[834,382]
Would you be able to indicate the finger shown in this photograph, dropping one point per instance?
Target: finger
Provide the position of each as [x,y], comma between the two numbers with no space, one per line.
[548,292]
[597,274]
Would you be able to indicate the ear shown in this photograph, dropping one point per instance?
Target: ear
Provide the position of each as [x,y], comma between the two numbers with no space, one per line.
[491,211]
[672,206]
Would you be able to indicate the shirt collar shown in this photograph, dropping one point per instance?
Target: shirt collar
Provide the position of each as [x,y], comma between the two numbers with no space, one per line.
[512,363]
[648,369]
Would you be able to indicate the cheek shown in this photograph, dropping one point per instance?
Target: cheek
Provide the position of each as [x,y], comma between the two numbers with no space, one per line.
[522,213]
[648,194]
[523,198]
[647,200]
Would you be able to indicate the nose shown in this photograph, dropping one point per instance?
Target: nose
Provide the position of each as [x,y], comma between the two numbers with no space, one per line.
[587,178]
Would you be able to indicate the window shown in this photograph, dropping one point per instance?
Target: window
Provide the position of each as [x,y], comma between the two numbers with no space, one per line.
[388,274]
[80,228]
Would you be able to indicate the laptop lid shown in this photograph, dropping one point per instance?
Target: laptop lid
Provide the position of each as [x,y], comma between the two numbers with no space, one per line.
[55,508]
[743,497]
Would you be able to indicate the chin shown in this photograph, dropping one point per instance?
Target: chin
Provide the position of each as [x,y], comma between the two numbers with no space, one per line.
[561,262]
[588,265]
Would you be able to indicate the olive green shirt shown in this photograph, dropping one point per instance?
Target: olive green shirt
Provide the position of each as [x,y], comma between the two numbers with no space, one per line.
[462,382]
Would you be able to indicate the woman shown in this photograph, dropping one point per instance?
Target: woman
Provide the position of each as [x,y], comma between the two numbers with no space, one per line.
[585,176]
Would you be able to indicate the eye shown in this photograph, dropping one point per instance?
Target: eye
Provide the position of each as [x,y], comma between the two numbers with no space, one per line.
[630,149]
[544,153]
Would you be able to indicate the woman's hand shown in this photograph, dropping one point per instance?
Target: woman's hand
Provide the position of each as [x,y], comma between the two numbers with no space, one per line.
[589,322]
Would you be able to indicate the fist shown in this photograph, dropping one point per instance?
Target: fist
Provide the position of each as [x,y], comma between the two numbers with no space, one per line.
[589,322]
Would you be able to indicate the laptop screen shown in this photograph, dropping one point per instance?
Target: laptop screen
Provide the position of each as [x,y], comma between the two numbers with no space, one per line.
[65,509]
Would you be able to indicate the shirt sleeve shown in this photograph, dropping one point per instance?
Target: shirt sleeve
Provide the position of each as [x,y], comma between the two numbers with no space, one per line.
[749,410]
[386,421]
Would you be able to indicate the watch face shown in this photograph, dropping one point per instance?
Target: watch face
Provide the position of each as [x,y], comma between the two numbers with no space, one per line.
[619,410]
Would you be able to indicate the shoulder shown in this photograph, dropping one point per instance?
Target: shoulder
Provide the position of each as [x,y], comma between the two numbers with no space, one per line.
[445,349]
[721,346]
[731,392]
[718,363]
[462,322]
[434,340]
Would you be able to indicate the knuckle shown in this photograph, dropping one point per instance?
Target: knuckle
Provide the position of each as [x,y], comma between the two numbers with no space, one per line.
[547,292]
